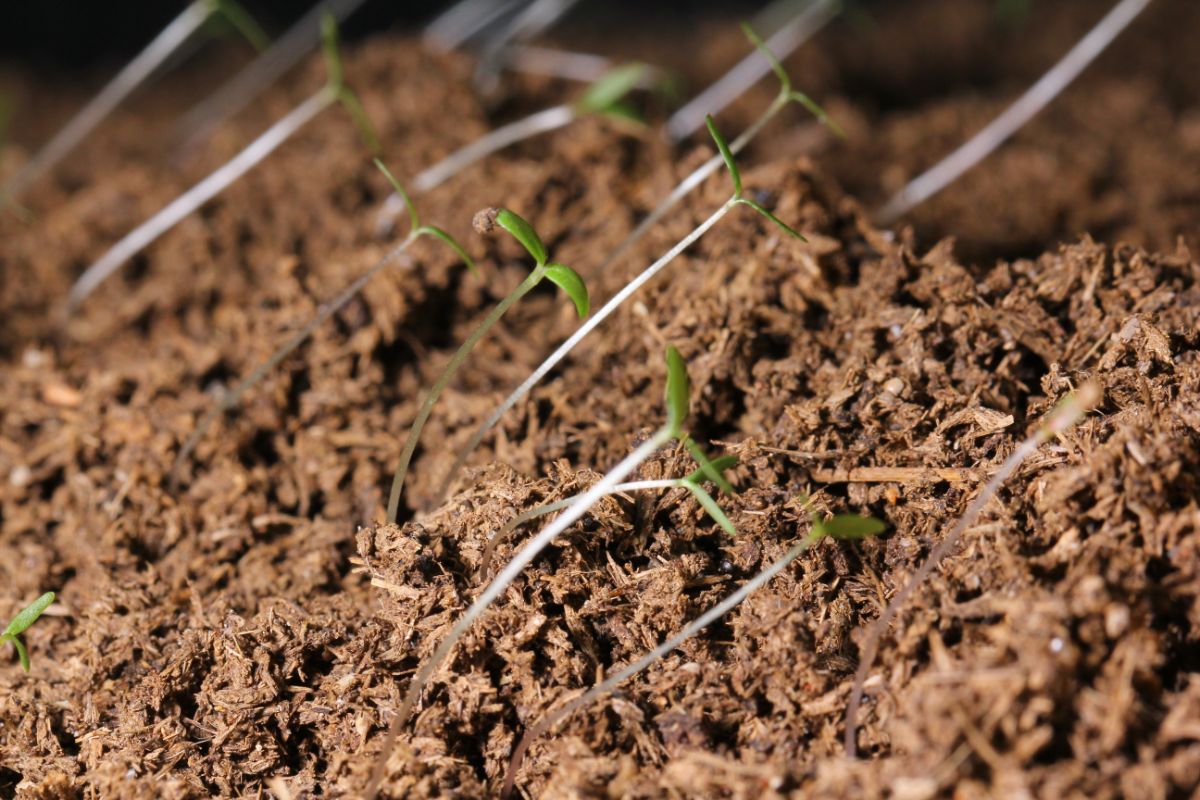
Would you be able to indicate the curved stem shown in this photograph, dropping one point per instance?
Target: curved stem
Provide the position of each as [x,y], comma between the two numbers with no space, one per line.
[414,434]
[610,683]
[140,237]
[501,582]
[327,310]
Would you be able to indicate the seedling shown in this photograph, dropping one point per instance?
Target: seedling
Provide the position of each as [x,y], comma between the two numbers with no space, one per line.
[192,18]
[677,400]
[334,91]
[604,97]
[415,232]
[725,153]
[841,526]
[1072,408]
[21,622]
[562,275]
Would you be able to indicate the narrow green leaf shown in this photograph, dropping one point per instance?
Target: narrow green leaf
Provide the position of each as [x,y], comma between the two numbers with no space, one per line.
[524,233]
[28,615]
[776,67]
[333,55]
[398,189]
[450,242]
[787,228]
[853,526]
[723,146]
[354,108]
[714,510]
[569,281]
[720,463]
[21,652]
[707,467]
[678,391]
[818,112]
[243,23]
[609,88]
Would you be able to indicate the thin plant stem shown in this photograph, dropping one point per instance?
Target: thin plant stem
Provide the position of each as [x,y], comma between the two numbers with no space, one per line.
[414,435]
[1070,411]
[1049,86]
[609,684]
[146,233]
[120,87]
[233,397]
[463,21]
[502,581]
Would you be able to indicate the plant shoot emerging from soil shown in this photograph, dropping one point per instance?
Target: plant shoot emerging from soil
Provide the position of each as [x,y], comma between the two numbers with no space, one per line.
[232,398]
[678,393]
[1072,408]
[840,526]
[566,278]
[21,622]
[334,91]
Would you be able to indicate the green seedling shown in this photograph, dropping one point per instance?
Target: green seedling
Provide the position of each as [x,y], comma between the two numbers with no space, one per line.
[1072,409]
[678,393]
[840,526]
[605,97]
[725,155]
[135,73]
[562,275]
[334,91]
[21,622]
[233,398]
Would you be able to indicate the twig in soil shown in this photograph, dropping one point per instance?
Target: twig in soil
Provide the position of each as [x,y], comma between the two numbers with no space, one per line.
[133,75]
[1067,413]
[891,475]
[691,482]
[21,622]
[1049,86]
[678,396]
[724,156]
[841,526]
[334,91]
[232,398]
[604,97]
[562,275]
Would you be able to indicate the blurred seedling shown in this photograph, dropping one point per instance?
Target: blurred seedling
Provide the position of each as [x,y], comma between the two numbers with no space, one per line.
[21,622]
[1072,409]
[325,311]
[725,156]
[605,97]
[678,393]
[335,90]
[840,526]
[195,16]
[562,275]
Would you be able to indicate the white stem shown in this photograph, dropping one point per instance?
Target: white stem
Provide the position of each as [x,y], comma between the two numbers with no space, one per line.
[1030,103]
[526,24]
[463,21]
[202,192]
[813,16]
[584,67]
[100,106]
[208,115]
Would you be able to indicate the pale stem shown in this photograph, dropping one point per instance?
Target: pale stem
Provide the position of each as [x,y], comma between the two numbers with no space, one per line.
[584,67]
[133,75]
[511,570]
[463,21]
[140,237]
[979,146]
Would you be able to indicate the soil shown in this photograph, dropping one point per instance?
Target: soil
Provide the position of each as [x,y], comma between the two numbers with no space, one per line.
[249,631]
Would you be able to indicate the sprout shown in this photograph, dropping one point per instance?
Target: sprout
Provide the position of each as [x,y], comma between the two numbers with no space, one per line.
[21,622]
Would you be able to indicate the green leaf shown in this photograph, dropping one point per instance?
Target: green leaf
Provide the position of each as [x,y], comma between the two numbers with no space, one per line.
[569,281]
[776,67]
[853,526]
[329,45]
[611,87]
[678,391]
[524,233]
[707,467]
[787,228]
[29,615]
[712,508]
[21,652]
[723,146]
[450,242]
[243,23]
[398,189]
[354,108]
[720,463]
[817,111]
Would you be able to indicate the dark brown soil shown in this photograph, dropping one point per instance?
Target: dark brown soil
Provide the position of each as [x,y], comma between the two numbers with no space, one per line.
[248,633]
